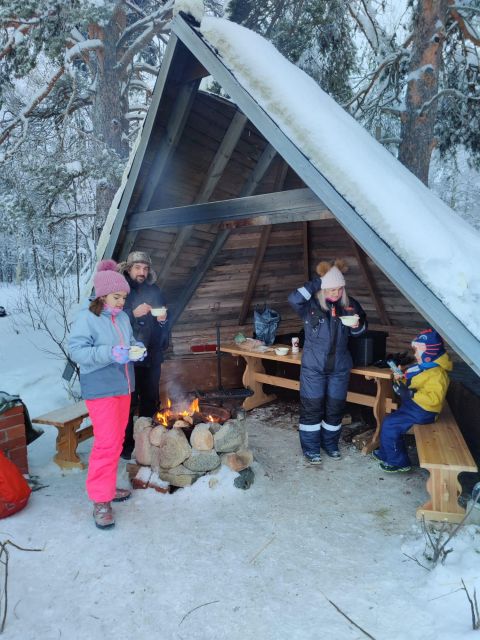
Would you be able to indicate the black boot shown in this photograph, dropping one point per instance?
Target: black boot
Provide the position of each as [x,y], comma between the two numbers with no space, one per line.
[330,437]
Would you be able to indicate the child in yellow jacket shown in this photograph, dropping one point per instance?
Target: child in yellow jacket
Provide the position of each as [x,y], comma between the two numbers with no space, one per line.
[422,388]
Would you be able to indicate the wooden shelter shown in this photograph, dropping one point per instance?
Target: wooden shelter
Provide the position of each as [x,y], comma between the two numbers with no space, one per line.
[233,215]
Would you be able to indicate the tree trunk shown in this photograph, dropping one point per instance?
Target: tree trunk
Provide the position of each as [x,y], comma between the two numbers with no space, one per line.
[110,106]
[417,133]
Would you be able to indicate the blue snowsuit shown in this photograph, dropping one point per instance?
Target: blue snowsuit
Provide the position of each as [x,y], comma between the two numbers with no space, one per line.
[325,370]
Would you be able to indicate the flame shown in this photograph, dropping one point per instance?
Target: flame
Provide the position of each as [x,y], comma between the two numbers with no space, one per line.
[162,417]
[211,418]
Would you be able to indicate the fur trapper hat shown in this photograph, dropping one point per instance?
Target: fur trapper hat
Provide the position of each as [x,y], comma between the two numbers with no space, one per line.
[107,279]
[331,273]
[138,257]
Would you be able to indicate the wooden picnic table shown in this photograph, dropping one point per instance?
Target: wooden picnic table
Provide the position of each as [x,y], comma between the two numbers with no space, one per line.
[255,377]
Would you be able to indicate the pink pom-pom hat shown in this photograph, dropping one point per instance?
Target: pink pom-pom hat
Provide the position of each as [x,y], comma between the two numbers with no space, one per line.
[107,279]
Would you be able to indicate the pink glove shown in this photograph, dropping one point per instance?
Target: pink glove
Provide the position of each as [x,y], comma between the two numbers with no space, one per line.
[120,354]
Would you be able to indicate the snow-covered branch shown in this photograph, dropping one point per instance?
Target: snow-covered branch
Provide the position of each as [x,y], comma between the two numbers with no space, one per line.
[81,48]
[163,14]
[446,92]
[145,68]
[148,34]
[362,13]
[33,104]
[467,29]
[14,39]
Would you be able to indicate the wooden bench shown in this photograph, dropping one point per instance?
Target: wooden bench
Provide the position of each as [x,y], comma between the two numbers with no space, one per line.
[68,421]
[443,452]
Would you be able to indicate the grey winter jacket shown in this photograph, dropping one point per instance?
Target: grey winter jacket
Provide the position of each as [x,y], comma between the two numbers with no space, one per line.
[90,346]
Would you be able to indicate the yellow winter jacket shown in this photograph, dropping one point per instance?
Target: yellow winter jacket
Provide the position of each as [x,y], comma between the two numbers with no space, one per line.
[430,387]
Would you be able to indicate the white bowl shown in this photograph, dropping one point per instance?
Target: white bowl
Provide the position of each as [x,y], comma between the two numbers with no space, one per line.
[159,311]
[281,351]
[350,321]
[136,352]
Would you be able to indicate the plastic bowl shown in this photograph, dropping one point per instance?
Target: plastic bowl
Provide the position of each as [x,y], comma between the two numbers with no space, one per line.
[281,351]
[350,321]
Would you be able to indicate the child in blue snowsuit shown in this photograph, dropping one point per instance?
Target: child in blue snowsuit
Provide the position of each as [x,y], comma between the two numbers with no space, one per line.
[422,389]
[326,360]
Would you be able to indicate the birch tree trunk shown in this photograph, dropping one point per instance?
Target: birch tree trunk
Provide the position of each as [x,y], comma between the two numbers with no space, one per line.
[418,121]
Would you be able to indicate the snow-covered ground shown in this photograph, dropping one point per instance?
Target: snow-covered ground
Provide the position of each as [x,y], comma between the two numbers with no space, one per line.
[290,558]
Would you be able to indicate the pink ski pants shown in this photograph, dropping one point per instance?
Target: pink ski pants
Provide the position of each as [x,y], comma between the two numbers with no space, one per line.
[109,419]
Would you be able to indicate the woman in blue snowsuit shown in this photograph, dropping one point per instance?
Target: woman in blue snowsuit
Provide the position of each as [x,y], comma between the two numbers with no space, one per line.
[326,360]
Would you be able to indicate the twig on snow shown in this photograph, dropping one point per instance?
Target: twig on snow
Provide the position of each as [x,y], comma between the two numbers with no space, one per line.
[4,556]
[262,549]
[195,608]
[473,607]
[348,618]
[417,561]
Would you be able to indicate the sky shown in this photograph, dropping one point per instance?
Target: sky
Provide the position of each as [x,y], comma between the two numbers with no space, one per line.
[295,557]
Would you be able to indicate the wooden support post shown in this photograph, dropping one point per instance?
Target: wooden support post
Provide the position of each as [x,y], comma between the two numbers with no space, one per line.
[262,245]
[370,282]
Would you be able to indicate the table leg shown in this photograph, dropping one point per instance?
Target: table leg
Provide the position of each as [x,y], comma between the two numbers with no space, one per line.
[379,410]
[254,366]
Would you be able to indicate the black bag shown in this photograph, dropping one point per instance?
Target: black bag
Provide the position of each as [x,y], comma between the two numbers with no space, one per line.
[265,324]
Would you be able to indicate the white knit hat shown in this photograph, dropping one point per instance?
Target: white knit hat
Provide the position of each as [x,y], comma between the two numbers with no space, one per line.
[333,279]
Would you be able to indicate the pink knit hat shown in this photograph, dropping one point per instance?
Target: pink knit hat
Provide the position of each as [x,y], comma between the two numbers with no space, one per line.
[333,279]
[107,280]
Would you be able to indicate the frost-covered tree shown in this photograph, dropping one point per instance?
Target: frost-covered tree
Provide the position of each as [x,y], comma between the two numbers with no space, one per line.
[420,89]
[76,79]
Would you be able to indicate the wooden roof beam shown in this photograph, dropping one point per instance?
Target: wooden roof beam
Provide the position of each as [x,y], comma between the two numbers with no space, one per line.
[214,174]
[292,205]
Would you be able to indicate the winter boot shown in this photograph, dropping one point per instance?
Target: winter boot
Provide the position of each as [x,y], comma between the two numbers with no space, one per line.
[310,441]
[313,458]
[103,515]
[391,468]
[330,437]
[121,495]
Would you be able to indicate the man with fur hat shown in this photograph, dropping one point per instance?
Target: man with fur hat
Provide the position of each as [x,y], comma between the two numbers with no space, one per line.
[422,389]
[330,317]
[152,330]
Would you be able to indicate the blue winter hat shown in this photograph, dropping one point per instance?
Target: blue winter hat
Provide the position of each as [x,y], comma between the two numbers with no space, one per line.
[433,342]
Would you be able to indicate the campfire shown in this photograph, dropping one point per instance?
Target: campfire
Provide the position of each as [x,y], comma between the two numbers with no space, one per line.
[187,413]
[187,440]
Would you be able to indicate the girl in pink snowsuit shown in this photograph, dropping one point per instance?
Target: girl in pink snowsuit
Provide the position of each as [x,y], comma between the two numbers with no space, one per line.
[100,343]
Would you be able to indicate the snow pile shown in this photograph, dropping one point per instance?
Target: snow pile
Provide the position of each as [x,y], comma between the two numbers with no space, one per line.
[436,243]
